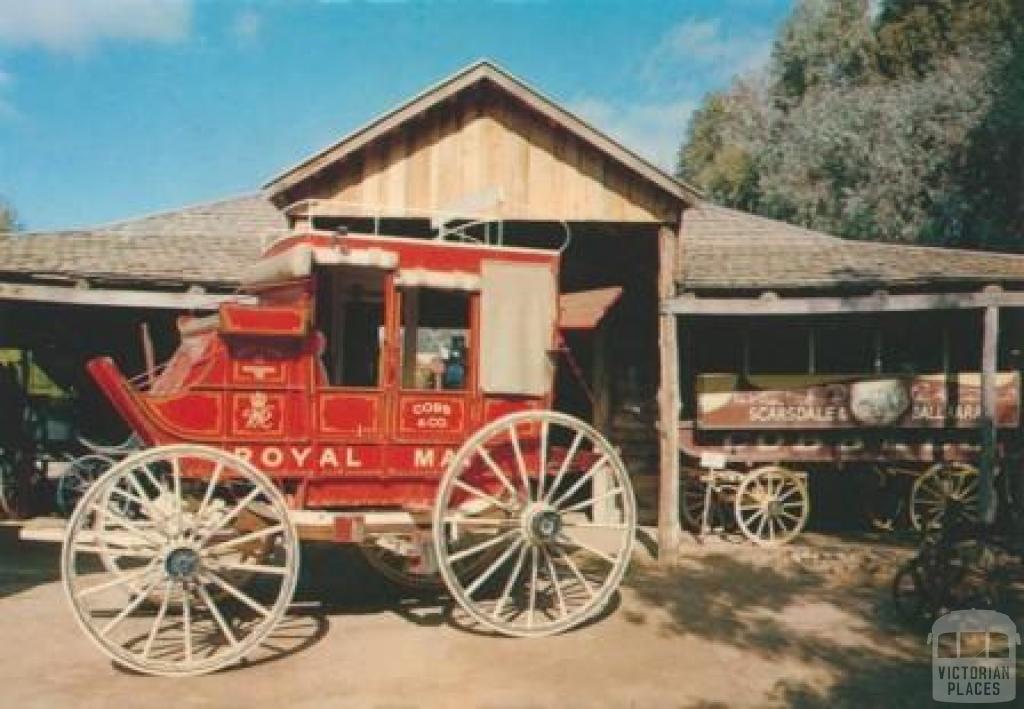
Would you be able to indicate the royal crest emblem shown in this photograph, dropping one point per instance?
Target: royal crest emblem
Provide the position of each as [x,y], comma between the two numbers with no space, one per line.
[260,414]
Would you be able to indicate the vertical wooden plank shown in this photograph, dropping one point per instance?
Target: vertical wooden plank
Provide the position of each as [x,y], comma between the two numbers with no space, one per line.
[394,182]
[472,149]
[495,173]
[989,350]
[540,185]
[573,195]
[517,159]
[372,168]
[668,400]
[417,188]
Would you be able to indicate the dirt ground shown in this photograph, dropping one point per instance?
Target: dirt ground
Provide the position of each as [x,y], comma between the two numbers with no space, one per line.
[727,625]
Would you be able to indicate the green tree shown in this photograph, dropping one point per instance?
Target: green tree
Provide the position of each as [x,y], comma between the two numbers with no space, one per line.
[902,124]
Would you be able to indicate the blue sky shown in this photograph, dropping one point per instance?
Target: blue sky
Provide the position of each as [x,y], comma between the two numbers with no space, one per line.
[116,108]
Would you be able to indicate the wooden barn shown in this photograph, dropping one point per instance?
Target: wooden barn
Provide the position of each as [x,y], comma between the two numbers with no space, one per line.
[484,153]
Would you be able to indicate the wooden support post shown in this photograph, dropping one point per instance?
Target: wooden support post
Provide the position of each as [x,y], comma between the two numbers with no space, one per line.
[990,348]
[668,402]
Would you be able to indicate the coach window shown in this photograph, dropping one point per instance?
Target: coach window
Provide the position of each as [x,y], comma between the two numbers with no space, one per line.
[350,314]
[435,339]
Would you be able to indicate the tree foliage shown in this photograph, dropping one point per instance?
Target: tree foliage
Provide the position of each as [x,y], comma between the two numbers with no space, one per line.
[8,219]
[901,122]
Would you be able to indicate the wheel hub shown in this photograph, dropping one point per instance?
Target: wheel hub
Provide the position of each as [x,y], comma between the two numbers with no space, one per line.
[182,563]
[543,524]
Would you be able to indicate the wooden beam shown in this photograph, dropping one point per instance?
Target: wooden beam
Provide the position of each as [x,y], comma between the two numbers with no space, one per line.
[71,295]
[668,403]
[823,305]
[989,357]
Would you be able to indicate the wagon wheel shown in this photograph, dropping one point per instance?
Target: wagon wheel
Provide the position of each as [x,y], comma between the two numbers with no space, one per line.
[397,567]
[171,604]
[772,505]
[549,497]
[80,474]
[941,483]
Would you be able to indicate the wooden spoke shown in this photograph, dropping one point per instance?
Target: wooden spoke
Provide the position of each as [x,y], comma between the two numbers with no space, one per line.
[252,568]
[570,454]
[186,614]
[593,500]
[230,516]
[517,451]
[119,580]
[533,587]
[211,487]
[476,549]
[215,612]
[554,582]
[465,487]
[603,460]
[236,594]
[482,452]
[569,539]
[542,468]
[221,547]
[565,558]
[482,578]
[168,585]
[503,599]
[140,597]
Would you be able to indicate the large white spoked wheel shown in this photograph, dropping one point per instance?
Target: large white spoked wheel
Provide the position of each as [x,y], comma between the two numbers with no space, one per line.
[933,490]
[191,572]
[548,500]
[772,505]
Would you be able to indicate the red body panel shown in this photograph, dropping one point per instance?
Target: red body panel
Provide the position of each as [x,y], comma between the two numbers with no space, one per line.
[255,386]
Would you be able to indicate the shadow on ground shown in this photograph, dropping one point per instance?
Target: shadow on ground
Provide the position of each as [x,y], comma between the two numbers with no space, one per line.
[835,618]
[26,564]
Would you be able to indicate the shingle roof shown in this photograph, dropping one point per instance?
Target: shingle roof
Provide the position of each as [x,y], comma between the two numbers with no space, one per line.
[204,244]
[724,249]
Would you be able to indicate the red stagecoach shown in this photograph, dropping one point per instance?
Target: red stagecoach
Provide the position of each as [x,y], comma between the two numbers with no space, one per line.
[386,392]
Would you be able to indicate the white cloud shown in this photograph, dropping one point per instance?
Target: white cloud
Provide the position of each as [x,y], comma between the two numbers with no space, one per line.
[654,130]
[77,25]
[247,26]
[704,45]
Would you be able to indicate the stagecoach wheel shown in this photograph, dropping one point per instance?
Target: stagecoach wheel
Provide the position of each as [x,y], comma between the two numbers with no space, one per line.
[772,505]
[78,477]
[941,483]
[692,498]
[391,558]
[156,588]
[547,498]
